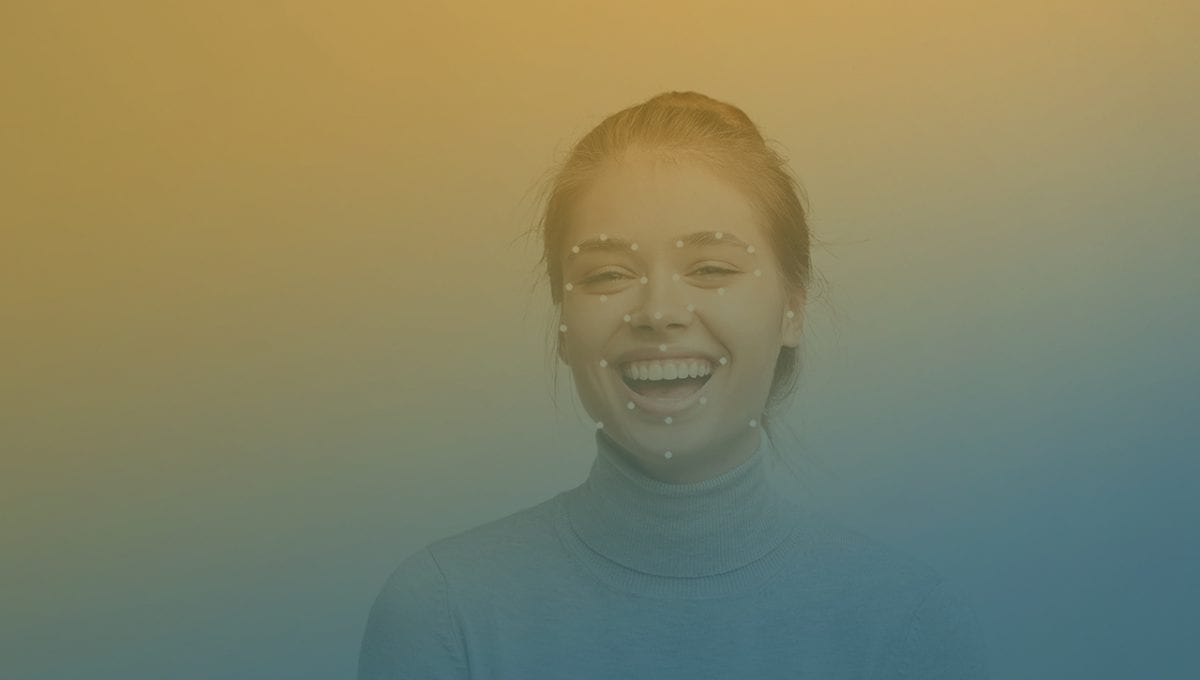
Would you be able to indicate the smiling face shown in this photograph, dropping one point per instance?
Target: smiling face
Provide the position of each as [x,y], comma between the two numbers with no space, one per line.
[675,312]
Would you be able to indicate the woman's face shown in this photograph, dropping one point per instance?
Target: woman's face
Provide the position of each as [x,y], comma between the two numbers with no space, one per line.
[674,311]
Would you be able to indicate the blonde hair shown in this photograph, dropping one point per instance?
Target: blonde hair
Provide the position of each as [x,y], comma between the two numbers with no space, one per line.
[676,126]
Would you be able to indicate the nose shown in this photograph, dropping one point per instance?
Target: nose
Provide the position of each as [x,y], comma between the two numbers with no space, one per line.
[663,304]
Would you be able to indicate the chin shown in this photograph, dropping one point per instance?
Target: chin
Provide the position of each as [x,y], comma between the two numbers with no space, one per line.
[654,440]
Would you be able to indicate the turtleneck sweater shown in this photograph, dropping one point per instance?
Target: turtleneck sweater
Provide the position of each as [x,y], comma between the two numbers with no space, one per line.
[626,576]
[702,539]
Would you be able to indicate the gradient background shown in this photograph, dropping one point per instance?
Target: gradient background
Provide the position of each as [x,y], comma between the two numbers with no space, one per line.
[268,325]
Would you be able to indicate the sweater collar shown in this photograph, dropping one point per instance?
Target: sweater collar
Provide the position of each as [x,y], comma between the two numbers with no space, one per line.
[683,530]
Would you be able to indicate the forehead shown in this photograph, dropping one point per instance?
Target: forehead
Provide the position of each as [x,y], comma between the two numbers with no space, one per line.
[649,200]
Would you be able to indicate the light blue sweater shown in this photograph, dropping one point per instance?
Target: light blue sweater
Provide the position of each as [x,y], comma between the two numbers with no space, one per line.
[625,577]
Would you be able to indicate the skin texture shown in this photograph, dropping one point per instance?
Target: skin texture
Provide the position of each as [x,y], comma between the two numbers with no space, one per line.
[735,312]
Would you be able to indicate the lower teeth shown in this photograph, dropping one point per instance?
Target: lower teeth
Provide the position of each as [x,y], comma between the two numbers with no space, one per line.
[668,389]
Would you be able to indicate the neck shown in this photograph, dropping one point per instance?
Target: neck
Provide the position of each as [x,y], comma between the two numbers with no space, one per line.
[678,529]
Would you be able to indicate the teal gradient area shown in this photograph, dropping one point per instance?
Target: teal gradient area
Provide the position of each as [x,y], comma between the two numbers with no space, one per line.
[268,325]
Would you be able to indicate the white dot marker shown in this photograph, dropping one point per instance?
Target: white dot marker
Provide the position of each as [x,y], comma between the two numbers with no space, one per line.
[703,400]
[575,249]
[691,308]
[645,280]
[723,361]
[629,406]
[750,249]
[569,287]
[658,315]
[720,234]
[667,420]
[633,246]
[603,363]
[720,291]
[674,277]
[599,425]
[791,314]
[753,423]
[603,237]
[562,328]
[628,318]
[758,272]
[604,298]
[662,348]
[667,454]
[679,244]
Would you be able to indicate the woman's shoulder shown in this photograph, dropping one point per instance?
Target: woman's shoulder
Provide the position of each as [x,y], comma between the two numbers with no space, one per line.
[521,540]
[935,626]
[842,554]
[520,533]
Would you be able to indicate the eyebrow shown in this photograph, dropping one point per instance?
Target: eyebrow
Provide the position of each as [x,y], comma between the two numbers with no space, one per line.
[709,238]
[616,243]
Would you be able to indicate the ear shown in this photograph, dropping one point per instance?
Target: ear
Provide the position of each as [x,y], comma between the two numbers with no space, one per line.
[793,326]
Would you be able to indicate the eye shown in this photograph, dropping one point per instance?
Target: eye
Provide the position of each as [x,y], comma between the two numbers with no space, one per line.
[606,281]
[713,271]
[603,277]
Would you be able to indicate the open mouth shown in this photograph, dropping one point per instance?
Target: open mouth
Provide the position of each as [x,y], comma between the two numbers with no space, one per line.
[667,379]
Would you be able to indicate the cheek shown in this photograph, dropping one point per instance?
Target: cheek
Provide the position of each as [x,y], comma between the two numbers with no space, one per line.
[591,321]
[743,314]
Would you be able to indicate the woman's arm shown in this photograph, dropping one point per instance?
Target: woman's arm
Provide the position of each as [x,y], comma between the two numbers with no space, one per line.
[411,632]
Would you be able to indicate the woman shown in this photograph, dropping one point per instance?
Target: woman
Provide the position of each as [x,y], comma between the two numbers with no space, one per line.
[678,256]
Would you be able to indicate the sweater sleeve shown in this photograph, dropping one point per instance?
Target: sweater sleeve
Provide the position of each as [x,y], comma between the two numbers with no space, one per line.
[944,640]
[410,631]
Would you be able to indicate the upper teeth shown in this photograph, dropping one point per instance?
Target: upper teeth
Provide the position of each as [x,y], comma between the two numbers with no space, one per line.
[666,369]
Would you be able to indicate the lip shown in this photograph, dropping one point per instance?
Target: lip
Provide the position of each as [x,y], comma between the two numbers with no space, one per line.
[664,407]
